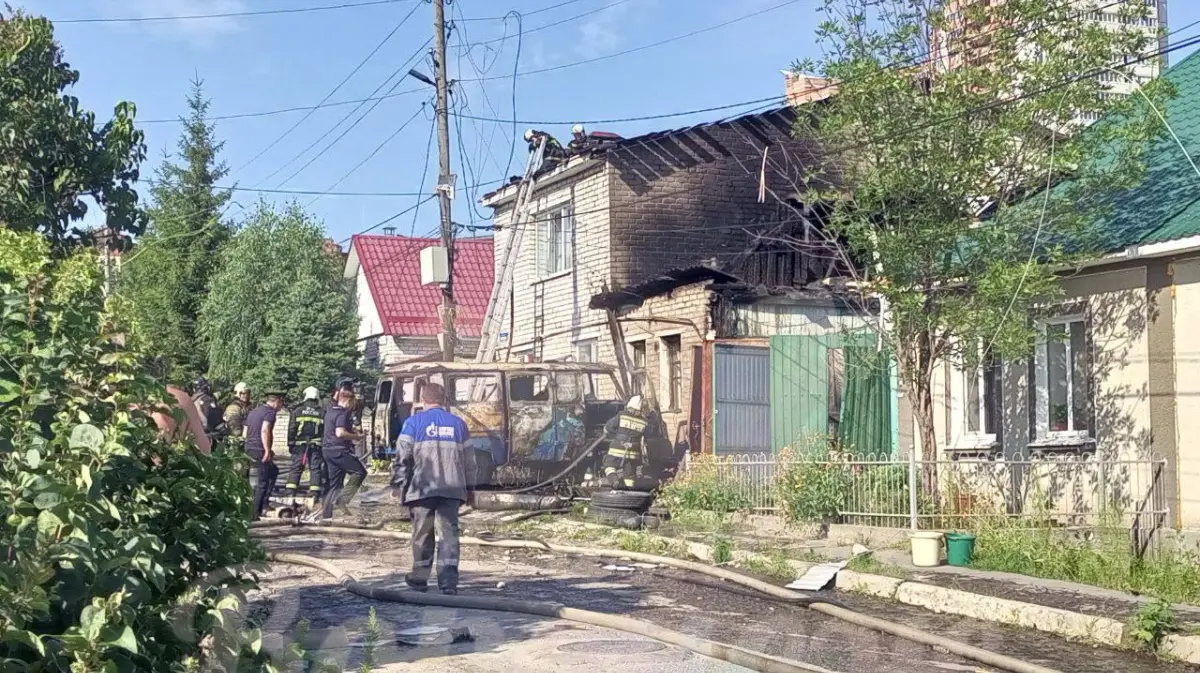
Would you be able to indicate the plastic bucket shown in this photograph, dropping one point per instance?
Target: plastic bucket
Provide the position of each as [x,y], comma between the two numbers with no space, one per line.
[926,549]
[960,547]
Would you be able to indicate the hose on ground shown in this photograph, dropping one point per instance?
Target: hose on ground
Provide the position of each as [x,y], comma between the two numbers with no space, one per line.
[534,514]
[756,661]
[823,606]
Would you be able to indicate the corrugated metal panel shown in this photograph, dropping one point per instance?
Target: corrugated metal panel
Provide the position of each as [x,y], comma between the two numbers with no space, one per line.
[741,391]
[799,390]
[766,319]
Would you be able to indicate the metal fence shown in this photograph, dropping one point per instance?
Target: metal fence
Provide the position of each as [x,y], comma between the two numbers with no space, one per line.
[1068,491]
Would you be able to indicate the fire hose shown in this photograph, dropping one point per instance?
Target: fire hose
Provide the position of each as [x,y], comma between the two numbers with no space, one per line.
[755,661]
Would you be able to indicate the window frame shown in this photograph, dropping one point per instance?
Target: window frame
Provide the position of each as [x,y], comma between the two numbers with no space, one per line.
[671,365]
[593,348]
[557,221]
[1042,429]
[639,374]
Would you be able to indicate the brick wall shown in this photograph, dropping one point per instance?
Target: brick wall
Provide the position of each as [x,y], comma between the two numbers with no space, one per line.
[658,318]
[684,199]
[558,304]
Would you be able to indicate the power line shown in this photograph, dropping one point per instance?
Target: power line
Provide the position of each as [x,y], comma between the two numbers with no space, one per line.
[564,3]
[398,71]
[230,15]
[665,115]
[335,89]
[546,26]
[370,156]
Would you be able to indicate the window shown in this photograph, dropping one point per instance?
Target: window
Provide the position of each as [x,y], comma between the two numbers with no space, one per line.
[529,388]
[556,240]
[672,351]
[585,351]
[982,399]
[482,388]
[637,355]
[1063,386]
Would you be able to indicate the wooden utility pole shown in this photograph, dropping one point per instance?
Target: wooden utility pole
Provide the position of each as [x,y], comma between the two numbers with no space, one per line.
[445,185]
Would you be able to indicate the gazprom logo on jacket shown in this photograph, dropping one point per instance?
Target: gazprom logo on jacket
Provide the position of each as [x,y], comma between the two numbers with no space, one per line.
[435,431]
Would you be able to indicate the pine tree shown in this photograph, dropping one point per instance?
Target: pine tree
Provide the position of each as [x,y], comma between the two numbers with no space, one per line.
[167,275]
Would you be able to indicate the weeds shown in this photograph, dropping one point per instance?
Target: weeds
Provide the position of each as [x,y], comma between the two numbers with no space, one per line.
[1152,623]
[371,640]
[722,550]
[705,487]
[867,563]
[774,564]
[649,544]
[1106,561]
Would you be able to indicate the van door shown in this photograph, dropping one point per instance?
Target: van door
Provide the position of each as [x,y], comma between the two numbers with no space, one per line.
[381,416]
[531,411]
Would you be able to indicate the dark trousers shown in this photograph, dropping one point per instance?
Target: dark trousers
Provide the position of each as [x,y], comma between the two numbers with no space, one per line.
[302,452]
[620,472]
[262,480]
[337,466]
[435,521]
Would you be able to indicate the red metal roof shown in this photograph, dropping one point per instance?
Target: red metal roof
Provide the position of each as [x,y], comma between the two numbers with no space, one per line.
[392,265]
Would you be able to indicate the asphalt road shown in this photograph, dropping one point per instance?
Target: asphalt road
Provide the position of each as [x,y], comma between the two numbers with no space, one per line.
[698,606]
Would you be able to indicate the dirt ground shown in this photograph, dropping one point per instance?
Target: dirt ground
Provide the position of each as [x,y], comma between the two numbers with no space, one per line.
[699,606]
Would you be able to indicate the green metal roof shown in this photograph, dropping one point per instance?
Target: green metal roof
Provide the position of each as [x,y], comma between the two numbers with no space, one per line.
[1166,205]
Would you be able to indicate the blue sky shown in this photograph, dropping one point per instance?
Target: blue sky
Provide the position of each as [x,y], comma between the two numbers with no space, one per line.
[259,63]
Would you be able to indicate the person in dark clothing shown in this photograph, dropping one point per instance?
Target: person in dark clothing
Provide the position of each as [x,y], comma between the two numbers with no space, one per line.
[433,471]
[624,432]
[206,406]
[260,437]
[304,443]
[337,449]
[234,418]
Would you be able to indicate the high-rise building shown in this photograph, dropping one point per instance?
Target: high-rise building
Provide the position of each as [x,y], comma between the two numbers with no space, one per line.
[969,40]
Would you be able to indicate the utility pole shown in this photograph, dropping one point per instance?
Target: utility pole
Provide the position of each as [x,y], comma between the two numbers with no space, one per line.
[445,185]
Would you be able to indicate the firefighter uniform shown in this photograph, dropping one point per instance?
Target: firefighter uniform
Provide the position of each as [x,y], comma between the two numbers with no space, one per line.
[304,444]
[624,432]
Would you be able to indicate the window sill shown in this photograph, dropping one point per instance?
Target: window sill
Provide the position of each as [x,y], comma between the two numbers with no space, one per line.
[974,446]
[554,276]
[1063,443]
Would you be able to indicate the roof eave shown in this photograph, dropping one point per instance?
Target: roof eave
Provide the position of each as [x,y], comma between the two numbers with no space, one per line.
[506,194]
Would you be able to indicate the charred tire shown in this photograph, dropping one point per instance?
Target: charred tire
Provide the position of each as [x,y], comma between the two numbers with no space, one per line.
[608,514]
[659,512]
[630,501]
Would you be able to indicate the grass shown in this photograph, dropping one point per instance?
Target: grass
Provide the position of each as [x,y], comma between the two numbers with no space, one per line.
[722,550]
[867,563]
[1106,561]
[772,564]
[650,544]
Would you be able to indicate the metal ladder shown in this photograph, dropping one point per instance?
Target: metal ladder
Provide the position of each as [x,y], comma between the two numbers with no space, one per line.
[493,320]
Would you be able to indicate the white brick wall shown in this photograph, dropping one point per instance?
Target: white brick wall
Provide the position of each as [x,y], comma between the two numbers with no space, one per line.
[563,297]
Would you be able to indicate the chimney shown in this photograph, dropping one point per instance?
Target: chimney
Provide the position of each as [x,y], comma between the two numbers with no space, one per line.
[802,88]
[389,231]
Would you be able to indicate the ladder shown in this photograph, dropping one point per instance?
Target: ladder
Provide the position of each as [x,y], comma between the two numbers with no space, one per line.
[493,320]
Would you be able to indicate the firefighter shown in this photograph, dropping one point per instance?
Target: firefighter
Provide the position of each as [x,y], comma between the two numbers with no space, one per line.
[304,444]
[234,417]
[206,406]
[624,433]
[337,447]
[579,139]
[553,152]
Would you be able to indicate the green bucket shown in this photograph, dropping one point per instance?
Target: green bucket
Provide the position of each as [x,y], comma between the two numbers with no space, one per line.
[960,547]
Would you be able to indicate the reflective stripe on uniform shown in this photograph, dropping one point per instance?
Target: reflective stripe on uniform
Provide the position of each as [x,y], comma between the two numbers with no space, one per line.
[625,454]
[609,470]
[629,483]
[632,423]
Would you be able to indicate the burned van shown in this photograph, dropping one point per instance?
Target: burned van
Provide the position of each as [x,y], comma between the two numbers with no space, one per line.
[527,420]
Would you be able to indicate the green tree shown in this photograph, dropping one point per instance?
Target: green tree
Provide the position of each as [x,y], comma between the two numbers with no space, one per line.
[943,152]
[166,276]
[54,159]
[278,314]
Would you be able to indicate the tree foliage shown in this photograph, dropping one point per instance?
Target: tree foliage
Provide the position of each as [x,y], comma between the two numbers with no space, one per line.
[278,315]
[110,531]
[166,276]
[946,204]
[54,158]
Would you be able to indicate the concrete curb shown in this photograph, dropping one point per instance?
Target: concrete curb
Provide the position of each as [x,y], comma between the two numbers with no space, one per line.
[1056,621]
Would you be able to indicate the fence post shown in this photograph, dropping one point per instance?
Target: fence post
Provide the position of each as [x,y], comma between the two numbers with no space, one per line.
[912,487]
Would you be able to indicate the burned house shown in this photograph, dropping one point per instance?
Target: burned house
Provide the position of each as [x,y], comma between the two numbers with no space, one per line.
[693,239]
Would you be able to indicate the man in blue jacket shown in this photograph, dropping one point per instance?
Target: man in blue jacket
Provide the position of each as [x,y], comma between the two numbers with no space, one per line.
[433,471]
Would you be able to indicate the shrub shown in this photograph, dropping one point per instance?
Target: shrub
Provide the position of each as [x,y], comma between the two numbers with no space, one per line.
[111,533]
[1152,623]
[813,491]
[704,486]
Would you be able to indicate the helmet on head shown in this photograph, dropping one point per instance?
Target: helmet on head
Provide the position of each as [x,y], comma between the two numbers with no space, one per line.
[200,385]
[240,388]
[577,129]
[634,403]
[311,393]
[528,135]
